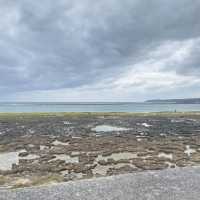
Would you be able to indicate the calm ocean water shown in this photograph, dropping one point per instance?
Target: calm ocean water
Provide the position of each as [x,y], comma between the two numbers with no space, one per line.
[96,107]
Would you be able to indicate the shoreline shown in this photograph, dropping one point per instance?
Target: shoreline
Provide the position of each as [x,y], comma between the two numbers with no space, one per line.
[165,113]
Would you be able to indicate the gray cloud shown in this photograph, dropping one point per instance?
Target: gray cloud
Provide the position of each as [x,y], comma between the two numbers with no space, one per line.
[49,45]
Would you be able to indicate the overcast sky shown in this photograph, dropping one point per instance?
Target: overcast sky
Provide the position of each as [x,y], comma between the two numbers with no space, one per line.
[107,50]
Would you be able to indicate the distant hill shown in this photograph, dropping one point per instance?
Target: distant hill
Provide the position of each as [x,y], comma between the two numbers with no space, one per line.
[176,101]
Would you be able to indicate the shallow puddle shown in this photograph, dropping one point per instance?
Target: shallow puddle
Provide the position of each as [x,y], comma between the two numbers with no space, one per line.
[66,158]
[77,153]
[31,145]
[144,124]
[22,181]
[57,142]
[102,170]
[7,159]
[29,157]
[165,155]
[117,156]
[67,123]
[171,165]
[177,120]
[43,147]
[108,128]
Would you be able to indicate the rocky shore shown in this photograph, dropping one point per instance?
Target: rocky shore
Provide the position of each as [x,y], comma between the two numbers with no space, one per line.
[37,149]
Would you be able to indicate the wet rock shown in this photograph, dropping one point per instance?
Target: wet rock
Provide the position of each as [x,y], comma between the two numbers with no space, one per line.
[69,177]
[84,158]
[196,158]
[23,154]
[102,162]
[121,170]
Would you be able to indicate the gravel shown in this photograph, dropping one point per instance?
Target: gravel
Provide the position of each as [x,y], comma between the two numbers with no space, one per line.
[170,184]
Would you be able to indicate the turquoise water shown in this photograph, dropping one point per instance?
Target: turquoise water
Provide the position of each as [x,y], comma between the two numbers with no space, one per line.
[96,107]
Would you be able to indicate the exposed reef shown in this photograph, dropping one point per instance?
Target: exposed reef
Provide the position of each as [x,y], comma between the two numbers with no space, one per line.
[38,149]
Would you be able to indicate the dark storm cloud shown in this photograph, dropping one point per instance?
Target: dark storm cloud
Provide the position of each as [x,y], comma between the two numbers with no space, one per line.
[66,44]
[191,64]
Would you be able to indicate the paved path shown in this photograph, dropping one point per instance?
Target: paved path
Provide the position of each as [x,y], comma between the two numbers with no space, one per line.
[176,184]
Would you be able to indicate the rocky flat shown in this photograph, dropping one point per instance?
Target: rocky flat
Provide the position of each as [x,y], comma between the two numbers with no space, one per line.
[49,149]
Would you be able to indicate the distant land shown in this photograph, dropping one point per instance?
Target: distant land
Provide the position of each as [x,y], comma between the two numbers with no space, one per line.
[176,101]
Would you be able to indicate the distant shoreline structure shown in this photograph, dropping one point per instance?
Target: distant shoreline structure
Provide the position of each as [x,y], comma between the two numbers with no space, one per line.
[175,101]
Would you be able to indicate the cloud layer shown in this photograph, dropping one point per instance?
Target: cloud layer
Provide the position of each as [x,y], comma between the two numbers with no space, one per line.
[109,50]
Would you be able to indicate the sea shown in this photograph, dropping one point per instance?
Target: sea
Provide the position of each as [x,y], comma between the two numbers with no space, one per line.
[6,107]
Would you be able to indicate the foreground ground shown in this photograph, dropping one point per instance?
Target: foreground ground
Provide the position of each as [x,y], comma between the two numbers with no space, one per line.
[37,149]
[176,184]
